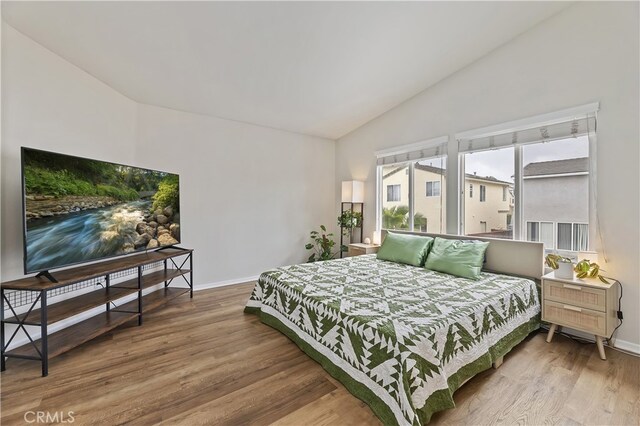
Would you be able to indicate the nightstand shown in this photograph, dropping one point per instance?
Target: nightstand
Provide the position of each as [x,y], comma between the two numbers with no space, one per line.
[356,249]
[587,305]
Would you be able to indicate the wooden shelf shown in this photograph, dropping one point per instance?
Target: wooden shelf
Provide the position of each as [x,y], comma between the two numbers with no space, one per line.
[70,307]
[67,277]
[154,299]
[106,298]
[75,335]
[152,278]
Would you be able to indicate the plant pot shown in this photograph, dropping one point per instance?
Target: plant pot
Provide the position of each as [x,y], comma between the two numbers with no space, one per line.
[565,270]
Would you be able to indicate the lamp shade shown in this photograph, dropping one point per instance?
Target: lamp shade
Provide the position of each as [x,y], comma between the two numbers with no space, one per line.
[352,191]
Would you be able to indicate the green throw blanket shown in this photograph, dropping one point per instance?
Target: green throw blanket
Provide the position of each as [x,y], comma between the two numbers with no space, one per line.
[399,337]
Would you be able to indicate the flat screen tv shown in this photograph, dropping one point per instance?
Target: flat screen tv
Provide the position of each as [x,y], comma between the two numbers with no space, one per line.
[80,210]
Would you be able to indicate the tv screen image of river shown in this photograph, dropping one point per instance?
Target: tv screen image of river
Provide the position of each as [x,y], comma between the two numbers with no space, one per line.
[80,210]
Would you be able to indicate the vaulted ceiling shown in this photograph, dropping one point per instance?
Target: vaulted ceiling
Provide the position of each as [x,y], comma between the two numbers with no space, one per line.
[315,68]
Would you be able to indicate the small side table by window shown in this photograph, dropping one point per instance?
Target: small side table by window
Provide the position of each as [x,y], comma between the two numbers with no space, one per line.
[587,305]
[357,249]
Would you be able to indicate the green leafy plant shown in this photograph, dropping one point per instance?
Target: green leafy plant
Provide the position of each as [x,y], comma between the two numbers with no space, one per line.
[349,220]
[168,193]
[397,217]
[552,260]
[322,245]
[585,269]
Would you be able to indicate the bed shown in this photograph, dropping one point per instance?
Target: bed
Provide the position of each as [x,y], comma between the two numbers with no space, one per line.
[399,337]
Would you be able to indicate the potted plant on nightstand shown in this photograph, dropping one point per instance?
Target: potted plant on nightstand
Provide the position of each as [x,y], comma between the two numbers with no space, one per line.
[563,266]
[347,221]
[588,269]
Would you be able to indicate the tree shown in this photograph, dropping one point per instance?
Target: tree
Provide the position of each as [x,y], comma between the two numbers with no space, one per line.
[397,217]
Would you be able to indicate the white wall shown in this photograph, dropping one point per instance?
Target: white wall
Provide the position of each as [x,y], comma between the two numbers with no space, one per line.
[587,53]
[250,195]
[50,104]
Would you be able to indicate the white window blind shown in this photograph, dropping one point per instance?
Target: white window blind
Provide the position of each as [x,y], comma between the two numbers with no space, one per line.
[413,152]
[533,130]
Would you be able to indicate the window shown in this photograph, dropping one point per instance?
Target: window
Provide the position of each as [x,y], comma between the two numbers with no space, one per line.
[542,232]
[564,236]
[573,236]
[470,190]
[492,171]
[533,231]
[429,206]
[580,237]
[555,190]
[433,189]
[395,203]
[393,192]
[413,195]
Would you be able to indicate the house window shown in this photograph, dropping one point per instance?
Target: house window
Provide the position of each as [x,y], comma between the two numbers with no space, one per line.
[471,190]
[533,231]
[393,192]
[573,236]
[504,193]
[542,232]
[564,236]
[580,237]
[483,193]
[433,189]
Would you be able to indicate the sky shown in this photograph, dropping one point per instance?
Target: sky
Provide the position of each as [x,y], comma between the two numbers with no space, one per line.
[499,163]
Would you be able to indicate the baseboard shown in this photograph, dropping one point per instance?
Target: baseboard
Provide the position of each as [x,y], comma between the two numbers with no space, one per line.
[630,347]
[623,345]
[225,283]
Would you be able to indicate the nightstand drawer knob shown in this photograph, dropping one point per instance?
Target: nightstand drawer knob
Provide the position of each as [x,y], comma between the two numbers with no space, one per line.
[572,287]
[571,308]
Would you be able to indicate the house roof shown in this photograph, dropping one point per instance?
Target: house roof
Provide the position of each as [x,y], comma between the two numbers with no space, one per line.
[557,167]
[440,171]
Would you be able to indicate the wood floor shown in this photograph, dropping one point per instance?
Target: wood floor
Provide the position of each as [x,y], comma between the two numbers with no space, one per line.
[203,361]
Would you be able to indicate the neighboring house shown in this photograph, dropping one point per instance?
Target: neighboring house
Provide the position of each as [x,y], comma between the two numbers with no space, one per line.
[488,206]
[556,203]
[488,201]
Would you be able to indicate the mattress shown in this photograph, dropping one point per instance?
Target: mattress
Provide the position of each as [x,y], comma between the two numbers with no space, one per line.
[399,337]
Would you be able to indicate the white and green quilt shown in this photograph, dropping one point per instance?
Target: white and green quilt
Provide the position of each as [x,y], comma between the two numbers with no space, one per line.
[400,338]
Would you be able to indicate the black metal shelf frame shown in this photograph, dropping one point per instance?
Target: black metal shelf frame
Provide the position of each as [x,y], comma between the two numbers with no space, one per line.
[345,206]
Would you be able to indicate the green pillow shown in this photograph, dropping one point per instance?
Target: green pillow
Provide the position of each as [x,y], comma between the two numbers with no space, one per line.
[405,248]
[457,257]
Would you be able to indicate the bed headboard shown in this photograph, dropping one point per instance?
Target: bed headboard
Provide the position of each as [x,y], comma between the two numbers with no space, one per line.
[520,258]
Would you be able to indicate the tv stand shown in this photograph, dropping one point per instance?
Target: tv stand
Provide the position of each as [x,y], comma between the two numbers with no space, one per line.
[170,247]
[117,309]
[47,275]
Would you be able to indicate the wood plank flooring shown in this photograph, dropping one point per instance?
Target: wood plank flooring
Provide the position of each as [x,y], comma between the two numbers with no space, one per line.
[203,361]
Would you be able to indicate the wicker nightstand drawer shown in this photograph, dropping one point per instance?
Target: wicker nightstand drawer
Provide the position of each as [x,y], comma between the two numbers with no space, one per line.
[584,297]
[587,320]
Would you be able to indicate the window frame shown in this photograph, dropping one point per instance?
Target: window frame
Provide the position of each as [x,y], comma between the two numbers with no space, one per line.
[411,202]
[483,193]
[433,194]
[392,186]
